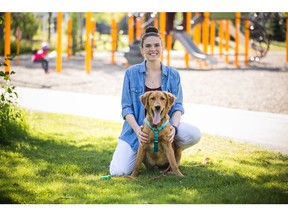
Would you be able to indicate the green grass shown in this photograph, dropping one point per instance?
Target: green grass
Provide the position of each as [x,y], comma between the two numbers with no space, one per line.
[63,157]
[277,46]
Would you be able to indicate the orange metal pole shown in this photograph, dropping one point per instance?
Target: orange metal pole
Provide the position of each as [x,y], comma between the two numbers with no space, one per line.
[212,36]
[227,39]
[247,36]
[88,42]
[197,36]
[155,22]
[138,28]
[131,29]
[93,29]
[197,32]
[205,36]
[59,43]
[221,34]
[237,27]
[142,20]
[69,38]
[188,31]
[163,29]
[169,47]
[7,50]
[18,38]
[114,39]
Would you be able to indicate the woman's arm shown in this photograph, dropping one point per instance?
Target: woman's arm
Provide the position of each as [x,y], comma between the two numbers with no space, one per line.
[142,137]
[176,118]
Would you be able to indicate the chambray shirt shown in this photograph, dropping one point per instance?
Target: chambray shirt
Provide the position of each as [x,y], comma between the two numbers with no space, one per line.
[134,87]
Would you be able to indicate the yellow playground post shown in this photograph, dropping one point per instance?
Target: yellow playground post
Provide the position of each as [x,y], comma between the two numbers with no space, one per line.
[197,32]
[7,38]
[155,22]
[131,28]
[59,42]
[138,28]
[88,43]
[114,39]
[212,36]
[247,38]
[163,29]
[69,38]
[93,30]
[188,31]
[237,28]
[205,32]
[227,39]
[221,35]
[169,47]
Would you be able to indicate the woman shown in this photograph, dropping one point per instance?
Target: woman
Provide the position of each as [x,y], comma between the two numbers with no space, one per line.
[151,74]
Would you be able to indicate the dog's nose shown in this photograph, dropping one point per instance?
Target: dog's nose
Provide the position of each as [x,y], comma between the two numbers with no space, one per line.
[157,107]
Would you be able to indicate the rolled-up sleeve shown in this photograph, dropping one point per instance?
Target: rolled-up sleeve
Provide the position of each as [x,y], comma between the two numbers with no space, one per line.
[177,91]
[126,101]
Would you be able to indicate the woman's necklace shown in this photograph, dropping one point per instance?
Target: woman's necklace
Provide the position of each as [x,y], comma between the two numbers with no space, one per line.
[153,79]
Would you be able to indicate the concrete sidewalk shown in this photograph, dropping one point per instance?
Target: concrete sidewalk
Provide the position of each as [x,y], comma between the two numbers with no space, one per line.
[260,128]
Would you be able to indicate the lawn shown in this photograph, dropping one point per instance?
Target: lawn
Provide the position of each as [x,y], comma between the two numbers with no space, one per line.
[63,157]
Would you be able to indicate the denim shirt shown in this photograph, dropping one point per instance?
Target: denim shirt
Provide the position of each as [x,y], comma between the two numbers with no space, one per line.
[134,87]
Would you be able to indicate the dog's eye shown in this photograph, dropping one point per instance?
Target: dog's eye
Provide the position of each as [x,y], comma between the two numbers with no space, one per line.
[152,98]
[162,98]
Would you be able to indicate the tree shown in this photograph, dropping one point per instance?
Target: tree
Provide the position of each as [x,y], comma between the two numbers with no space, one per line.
[27,22]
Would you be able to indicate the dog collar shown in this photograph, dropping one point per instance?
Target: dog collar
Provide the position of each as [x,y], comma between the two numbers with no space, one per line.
[156,133]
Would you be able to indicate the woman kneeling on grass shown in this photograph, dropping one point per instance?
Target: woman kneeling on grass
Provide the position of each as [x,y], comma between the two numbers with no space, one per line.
[149,75]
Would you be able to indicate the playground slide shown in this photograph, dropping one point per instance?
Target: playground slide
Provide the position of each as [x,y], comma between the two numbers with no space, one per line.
[192,48]
[232,31]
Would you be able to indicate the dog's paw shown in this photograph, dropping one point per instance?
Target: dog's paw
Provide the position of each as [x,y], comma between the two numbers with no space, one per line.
[179,174]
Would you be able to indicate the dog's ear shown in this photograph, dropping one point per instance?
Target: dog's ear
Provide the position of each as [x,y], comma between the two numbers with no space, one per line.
[144,99]
[171,98]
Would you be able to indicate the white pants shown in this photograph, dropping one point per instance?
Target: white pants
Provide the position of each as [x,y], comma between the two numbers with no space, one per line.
[124,157]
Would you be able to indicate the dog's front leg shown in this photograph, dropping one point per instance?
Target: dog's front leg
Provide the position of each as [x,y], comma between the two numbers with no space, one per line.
[172,161]
[139,160]
[178,153]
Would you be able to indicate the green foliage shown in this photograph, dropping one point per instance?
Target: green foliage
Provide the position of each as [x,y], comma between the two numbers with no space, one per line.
[106,17]
[63,158]
[12,118]
[278,29]
[74,17]
[27,22]
[25,47]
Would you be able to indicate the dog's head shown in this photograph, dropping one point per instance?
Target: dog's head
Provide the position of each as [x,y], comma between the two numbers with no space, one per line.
[157,104]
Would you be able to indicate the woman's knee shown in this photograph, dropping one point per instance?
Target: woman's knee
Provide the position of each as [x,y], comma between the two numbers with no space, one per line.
[123,160]
[119,171]
[188,134]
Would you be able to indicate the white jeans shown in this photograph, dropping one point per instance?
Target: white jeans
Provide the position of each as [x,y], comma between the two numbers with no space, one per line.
[124,157]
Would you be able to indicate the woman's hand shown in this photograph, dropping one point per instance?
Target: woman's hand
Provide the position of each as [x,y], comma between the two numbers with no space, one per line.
[142,137]
[172,134]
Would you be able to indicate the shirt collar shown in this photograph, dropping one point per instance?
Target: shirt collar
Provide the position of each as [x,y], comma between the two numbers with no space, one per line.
[143,69]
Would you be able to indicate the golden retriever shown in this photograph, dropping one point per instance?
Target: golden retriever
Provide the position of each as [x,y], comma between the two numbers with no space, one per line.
[159,153]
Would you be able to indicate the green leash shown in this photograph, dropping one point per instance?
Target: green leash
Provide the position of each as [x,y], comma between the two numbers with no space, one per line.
[156,134]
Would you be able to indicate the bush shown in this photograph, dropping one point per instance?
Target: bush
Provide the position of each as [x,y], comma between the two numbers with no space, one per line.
[26,47]
[13,123]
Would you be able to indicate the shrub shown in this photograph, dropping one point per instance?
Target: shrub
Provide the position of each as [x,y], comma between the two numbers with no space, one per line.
[13,123]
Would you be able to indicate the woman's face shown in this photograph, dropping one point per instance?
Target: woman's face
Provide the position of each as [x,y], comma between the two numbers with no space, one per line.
[152,48]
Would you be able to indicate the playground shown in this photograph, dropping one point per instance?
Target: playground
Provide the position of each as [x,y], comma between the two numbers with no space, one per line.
[243,75]
[211,69]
